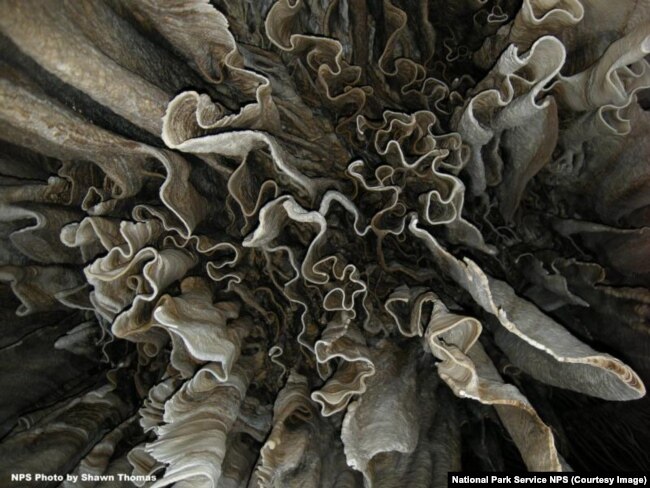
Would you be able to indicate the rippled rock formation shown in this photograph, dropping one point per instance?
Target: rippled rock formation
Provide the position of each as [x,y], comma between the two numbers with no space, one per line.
[328,244]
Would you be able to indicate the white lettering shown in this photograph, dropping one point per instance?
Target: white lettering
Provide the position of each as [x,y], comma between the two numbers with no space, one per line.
[529,479]
[48,477]
[630,481]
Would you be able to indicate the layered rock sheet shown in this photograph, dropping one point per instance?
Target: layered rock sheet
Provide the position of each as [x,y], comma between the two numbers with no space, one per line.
[328,244]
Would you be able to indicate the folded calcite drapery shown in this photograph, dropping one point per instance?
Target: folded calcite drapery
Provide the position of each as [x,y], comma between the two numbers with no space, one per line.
[322,243]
